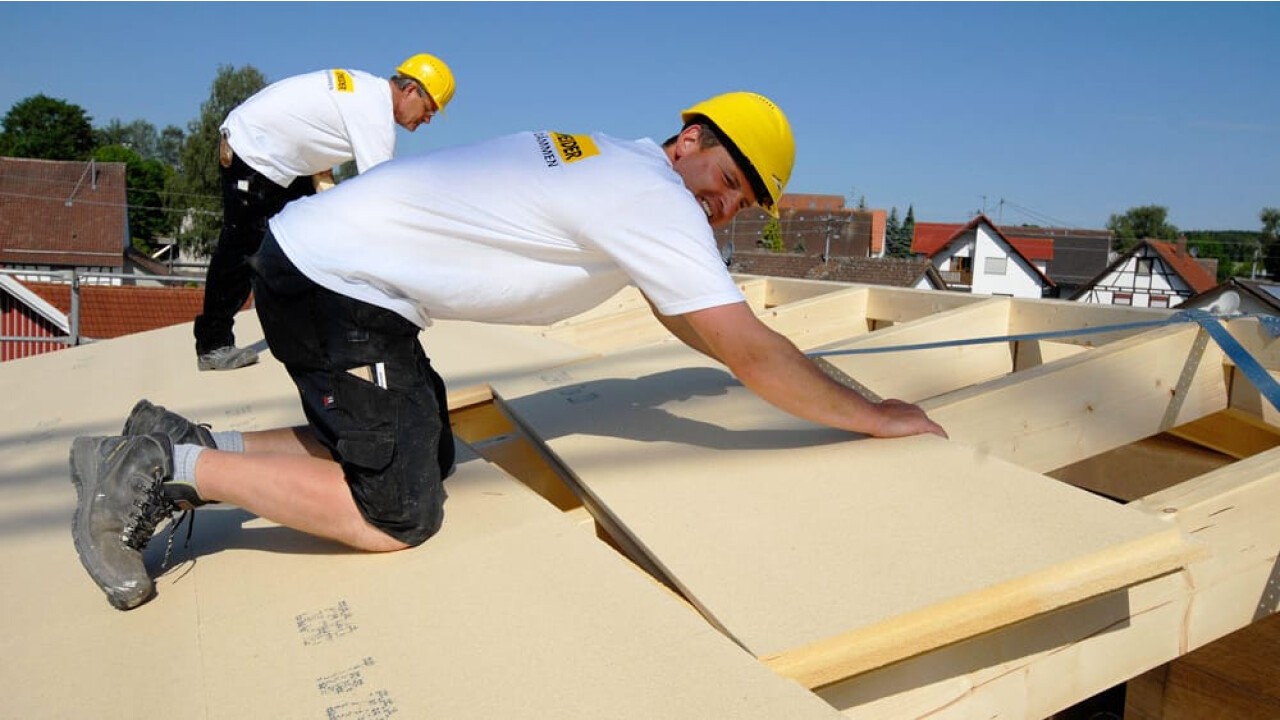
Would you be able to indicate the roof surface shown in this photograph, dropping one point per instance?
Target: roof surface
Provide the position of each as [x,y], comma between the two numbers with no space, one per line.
[880,549]
[62,213]
[1176,255]
[109,311]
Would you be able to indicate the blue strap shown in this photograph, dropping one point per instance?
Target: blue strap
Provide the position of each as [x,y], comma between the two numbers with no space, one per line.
[1249,365]
[1005,338]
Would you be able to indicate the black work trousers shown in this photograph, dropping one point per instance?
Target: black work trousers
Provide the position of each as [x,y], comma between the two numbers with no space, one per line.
[249,200]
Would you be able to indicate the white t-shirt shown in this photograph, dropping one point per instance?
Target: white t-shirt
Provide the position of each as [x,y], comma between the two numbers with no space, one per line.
[527,228]
[311,123]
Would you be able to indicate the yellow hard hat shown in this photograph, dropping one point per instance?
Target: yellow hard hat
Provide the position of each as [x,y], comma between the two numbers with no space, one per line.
[433,75]
[761,134]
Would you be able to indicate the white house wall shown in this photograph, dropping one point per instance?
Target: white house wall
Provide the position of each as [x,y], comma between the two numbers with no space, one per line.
[1019,278]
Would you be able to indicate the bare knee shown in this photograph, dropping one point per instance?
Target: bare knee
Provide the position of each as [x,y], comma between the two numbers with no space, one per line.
[371,539]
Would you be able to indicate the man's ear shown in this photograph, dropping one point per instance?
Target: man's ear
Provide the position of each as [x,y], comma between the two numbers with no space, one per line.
[688,140]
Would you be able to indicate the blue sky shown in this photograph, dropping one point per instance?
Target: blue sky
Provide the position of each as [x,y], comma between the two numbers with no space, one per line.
[1066,112]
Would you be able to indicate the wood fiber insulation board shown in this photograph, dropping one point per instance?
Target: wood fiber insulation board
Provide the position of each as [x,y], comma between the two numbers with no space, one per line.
[1042,665]
[513,610]
[825,554]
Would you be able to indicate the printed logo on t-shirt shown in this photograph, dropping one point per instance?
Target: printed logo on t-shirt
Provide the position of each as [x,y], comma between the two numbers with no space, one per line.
[563,148]
[341,81]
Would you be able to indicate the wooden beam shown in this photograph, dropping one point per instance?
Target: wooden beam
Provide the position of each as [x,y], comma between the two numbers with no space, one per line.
[899,305]
[1054,415]
[1230,432]
[1041,316]
[918,374]
[821,320]
[1050,662]
[783,291]
[829,661]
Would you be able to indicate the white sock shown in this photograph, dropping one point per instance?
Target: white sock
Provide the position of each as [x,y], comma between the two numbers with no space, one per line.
[229,440]
[184,464]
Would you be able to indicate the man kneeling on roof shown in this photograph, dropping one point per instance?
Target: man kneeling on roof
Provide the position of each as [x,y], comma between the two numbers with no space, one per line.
[529,228]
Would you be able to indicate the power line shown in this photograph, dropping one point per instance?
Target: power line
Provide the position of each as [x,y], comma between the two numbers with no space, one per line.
[1037,216]
[98,203]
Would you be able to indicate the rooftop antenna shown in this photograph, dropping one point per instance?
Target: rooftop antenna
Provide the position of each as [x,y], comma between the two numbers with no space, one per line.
[92,172]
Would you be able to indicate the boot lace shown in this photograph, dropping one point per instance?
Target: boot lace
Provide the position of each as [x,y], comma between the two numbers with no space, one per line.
[150,506]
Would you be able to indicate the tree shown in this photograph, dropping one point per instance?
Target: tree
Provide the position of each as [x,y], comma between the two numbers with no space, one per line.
[897,234]
[1270,218]
[198,181]
[892,233]
[771,236]
[48,129]
[908,231]
[139,136]
[146,179]
[170,151]
[1140,223]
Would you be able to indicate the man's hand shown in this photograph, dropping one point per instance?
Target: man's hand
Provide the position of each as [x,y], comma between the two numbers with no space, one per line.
[899,419]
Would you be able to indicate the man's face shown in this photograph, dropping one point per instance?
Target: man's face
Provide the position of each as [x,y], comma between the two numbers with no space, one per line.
[412,108]
[712,176]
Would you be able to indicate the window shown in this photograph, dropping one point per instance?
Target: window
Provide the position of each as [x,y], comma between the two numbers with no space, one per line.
[1122,298]
[996,265]
[1159,301]
[1144,267]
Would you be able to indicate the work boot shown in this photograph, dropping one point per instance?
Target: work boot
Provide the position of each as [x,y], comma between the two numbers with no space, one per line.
[146,418]
[120,499]
[227,357]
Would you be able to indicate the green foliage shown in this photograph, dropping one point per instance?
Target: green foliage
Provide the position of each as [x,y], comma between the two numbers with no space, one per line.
[909,230]
[170,150]
[198,180]
[1141,223]
[1269,240]
[139,136]
[892,233]
[1270,218]
[48,129]
[1233,249]
[771,236]
[146,179]
[898,234]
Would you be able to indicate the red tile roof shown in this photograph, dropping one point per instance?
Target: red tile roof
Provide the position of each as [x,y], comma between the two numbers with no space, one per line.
[802,201]
[931,237]
[938,235]
[1176,255]
[108,311]
[62,213]
[898,272]
[1033,248]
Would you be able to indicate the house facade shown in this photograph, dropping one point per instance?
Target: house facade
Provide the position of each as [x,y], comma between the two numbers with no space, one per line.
[1152,274]
[912,273]
[63,215]
[32,311]
[1239,295]
[814,225]
[59,218]
[979,258]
